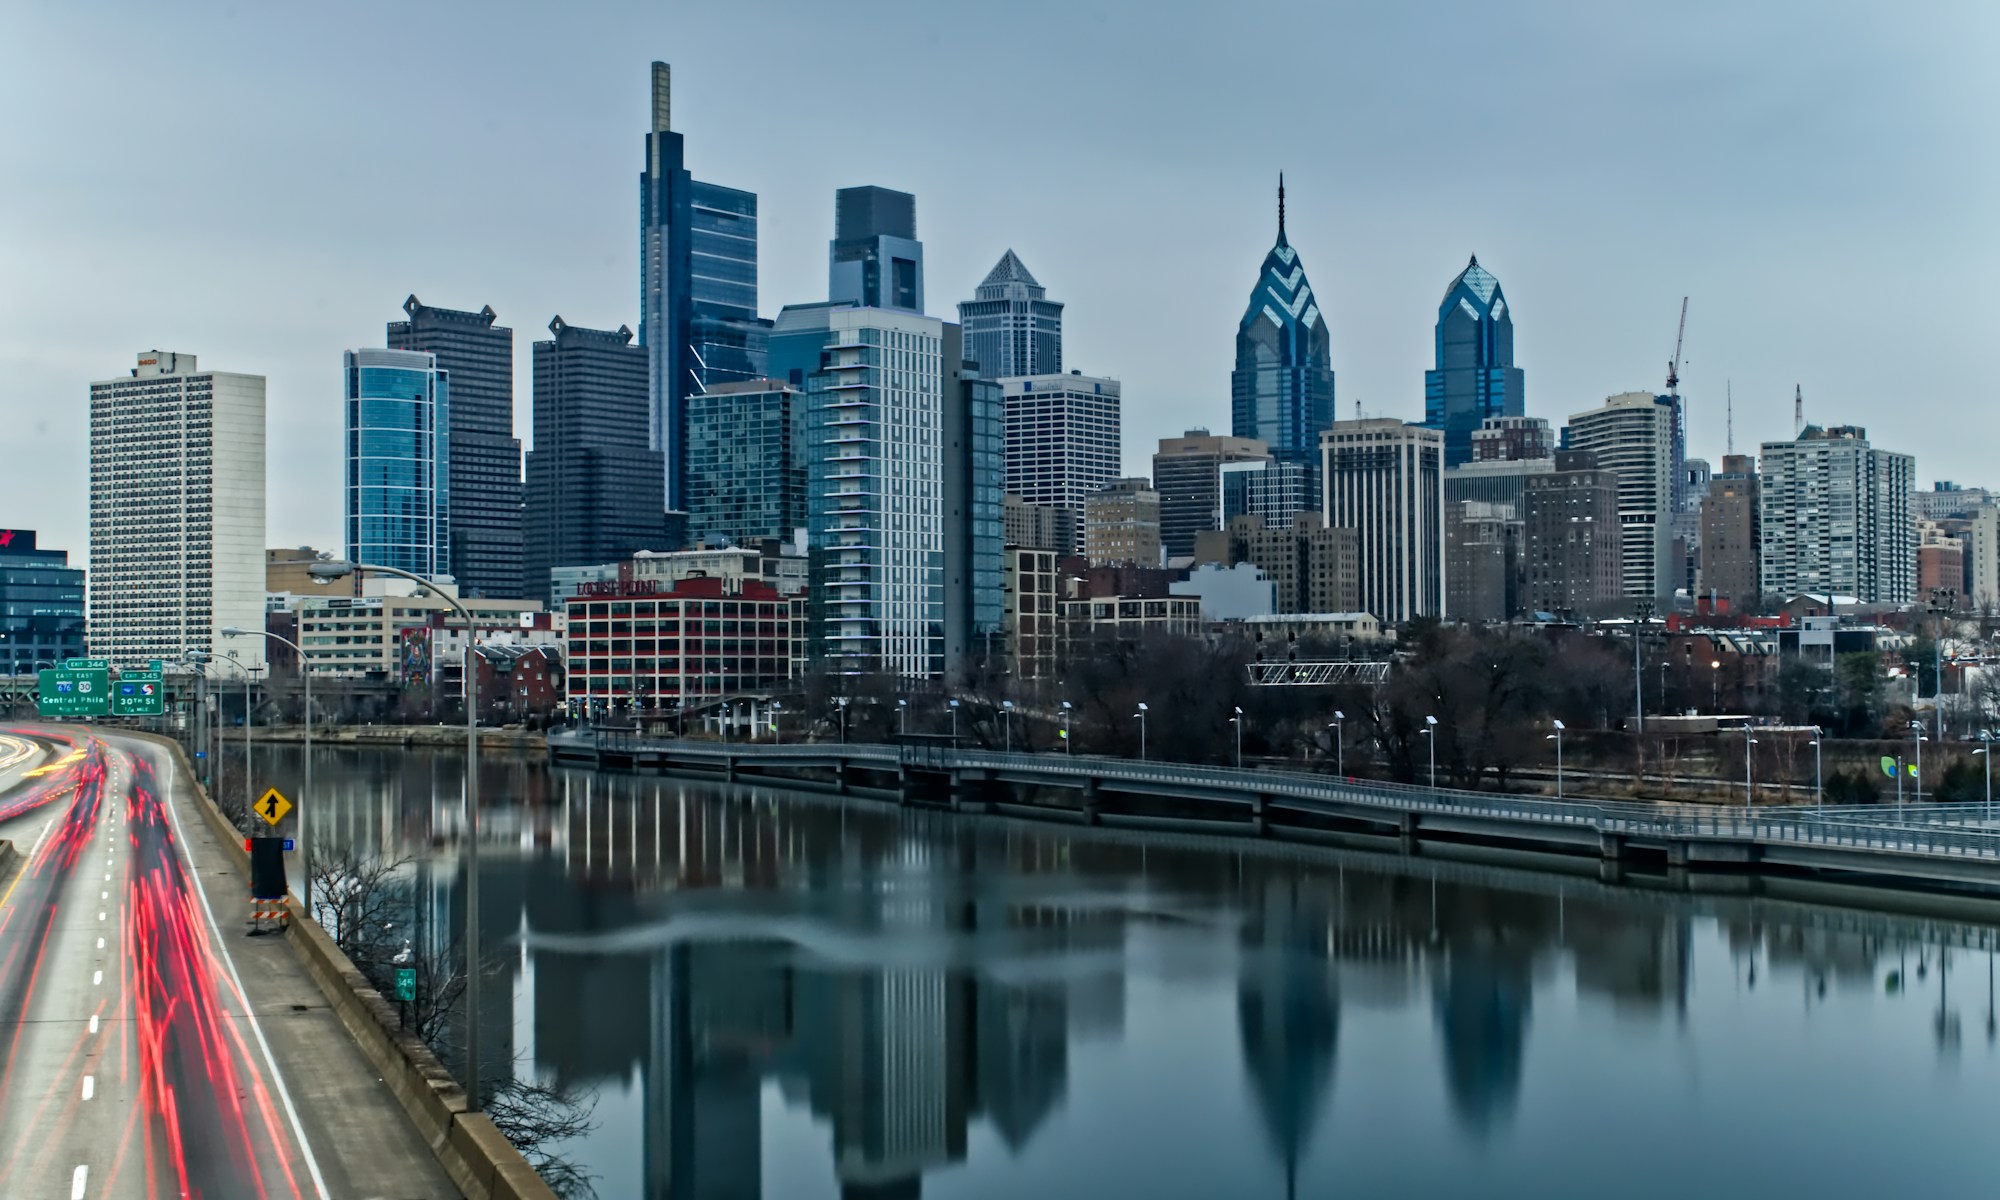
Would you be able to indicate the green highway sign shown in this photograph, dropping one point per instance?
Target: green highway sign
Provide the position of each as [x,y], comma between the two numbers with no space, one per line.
[139,676]
[87,664]
[74,693]
[138,697]
[406,984]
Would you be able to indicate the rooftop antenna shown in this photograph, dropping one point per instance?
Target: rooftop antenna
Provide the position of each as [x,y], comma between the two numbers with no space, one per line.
[1281,204]
[1798,410]
[1729,437]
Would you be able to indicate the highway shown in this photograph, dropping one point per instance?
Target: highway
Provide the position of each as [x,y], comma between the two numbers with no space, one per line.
[130,1063]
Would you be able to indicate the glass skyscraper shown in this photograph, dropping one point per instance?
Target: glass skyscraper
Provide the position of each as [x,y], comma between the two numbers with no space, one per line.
[484,470]
[875,259]
[398,460]
[1012,329]
[1281,392]
[746,473]
[41,605]
[1475,377]
[698,287]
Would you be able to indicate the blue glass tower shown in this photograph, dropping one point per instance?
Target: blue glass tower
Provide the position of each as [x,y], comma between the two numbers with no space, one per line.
[1281,392]
[398,451]
[1475,377]
[698,287]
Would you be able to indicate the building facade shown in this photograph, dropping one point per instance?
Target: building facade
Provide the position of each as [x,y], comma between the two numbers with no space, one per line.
[638,646]
[1121,525]
[698,321]
[875,259]
[1062,437]
[1572,563]
[1012,329]
[362,635]
[1187,472]
[176,511]
[1482,561]
[1633,435]
[1729,541]
[1039,526]
[1940,563]
[1276,492]
[746,466]
[398,407]
[1312,568]
[42,616]
[594,490]
[1282,390]
[1474,379]
[1834,517]
[1385,480]
[483,464]
[1028,611]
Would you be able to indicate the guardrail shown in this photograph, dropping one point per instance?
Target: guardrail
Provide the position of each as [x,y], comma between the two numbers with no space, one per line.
[1934,830]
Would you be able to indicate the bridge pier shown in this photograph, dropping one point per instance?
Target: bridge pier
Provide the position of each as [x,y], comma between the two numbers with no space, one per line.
[1611,846]
[840,777]
[729,767]
[1093,802]
[1406,834]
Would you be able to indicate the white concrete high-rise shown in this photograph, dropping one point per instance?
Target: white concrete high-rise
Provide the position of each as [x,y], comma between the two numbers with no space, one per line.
[1385,480]
[1632,435]
[1834,516]
[176,511]
[1062,437]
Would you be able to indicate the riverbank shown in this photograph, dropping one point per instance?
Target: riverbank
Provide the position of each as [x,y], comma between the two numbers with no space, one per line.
[439,737]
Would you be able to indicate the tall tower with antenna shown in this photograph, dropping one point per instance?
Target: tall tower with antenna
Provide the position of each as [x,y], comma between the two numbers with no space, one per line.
[1798,410]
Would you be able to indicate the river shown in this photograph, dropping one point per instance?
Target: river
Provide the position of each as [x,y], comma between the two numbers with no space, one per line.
[777,994]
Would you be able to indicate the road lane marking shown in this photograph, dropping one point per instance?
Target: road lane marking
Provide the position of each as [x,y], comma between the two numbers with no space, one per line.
[104,895]
[93,1022]
[100,916]
[77,1182]
[97,979]
[100,943]
[89,1086]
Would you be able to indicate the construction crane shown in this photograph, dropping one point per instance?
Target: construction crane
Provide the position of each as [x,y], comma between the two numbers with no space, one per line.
[1674,365]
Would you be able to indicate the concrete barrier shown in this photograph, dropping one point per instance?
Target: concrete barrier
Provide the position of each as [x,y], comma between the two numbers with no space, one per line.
[482,1163]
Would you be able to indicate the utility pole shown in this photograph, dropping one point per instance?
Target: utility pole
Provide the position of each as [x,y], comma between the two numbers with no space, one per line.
[1642,614]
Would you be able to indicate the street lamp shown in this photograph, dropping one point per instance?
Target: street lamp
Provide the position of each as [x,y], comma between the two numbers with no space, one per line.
[1749,796]
[1715,685]
[1237,721]
[954,722]
[1917,736]
[1339,744]
[1819,779]
[249,800]
[199,660]
[1141,714]
[842,702]
[1557,738]
[328,570]
[1007,719]
[1986,737]
[305,841]
[1069,743]
[1430,740]
[902,718]
[777,732]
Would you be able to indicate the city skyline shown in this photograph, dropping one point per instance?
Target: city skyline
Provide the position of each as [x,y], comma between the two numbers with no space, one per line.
[1743,198]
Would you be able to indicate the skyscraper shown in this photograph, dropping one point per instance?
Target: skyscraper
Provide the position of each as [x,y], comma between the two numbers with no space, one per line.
[1475,377]
[1632,435]
[483,467]
[746,470]
[1187,472]
[1011,326]
[875,258]
[41,604]
[1834,517]
[1121,525]
[1062,437]
[1729,544]
[1571,539]
[698,287]
[593,488]
[1385,480]
[398,412]
[176,511]
[1281,392]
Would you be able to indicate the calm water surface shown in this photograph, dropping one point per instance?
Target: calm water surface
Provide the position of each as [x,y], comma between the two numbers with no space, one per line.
[781,995]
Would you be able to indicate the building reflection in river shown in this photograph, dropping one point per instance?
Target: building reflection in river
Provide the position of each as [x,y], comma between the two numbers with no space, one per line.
[907,978]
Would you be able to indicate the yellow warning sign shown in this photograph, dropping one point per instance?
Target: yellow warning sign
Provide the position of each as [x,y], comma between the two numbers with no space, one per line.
[272,807]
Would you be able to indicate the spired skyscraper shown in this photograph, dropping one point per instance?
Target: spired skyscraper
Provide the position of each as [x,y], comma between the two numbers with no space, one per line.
[698,287]
[1475,377]
[1012,329]
[1281,392]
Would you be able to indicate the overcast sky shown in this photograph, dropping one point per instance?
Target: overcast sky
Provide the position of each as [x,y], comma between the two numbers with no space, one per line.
[262,184]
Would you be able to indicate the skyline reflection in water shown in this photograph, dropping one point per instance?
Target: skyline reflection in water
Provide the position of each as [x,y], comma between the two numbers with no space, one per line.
[783,995]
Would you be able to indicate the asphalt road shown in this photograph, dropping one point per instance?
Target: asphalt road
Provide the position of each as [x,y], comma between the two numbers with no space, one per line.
[132,1063]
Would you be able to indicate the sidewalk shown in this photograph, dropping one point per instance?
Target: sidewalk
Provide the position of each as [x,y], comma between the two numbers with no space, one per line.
[365,1144]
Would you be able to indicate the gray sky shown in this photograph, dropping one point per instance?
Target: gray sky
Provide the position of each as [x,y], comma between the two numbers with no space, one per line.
[261,185]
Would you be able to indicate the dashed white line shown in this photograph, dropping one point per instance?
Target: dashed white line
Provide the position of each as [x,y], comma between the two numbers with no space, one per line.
[97,979]
[100,943]
[100,916]
[93,1022]
[104,895]
[77,1182]
[89,1086]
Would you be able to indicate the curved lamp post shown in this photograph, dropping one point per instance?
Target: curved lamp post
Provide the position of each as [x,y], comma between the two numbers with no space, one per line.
[1430,739]
[326,572]
[305,840]
[1557,738]
[1339,743]
[1141,714]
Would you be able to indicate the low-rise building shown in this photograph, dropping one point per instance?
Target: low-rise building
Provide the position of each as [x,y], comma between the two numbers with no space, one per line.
[358,635]
[1028,611]
[640,644]
[1090,622]
[1121,524]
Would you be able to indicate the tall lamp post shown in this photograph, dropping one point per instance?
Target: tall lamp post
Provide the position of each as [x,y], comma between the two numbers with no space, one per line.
[1069,743]
[248,798]
[1557,738]
[326,572]
[1141,714]
[954,723]
[1917,780]
[902,718]
[1749,796]
[199,660]
[1714,685]
[304,808]
[1819,777]
[1986,738]
[842,703]
[1339,743]
[1430,740]
[1007,719]
[1237,721]
[777,732]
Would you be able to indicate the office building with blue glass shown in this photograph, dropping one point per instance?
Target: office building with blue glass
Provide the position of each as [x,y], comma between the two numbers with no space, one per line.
[398,460]
[1475,376]
[746,470]
[875,258]
[698,288]
[41,605]
[1281,392]
[1012,328]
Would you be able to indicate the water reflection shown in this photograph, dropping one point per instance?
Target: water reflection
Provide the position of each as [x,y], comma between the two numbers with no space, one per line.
[785,994]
